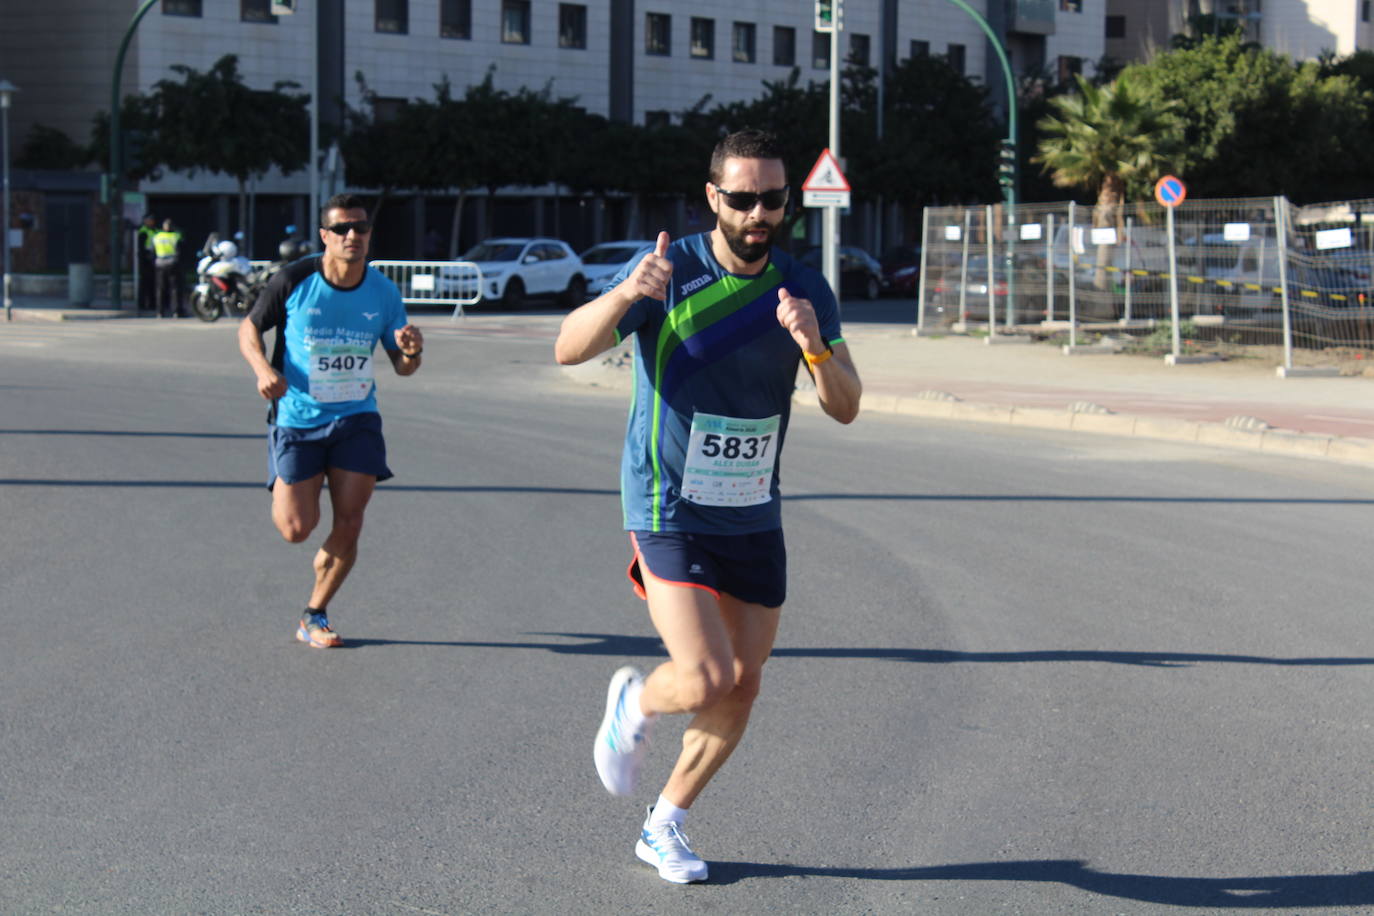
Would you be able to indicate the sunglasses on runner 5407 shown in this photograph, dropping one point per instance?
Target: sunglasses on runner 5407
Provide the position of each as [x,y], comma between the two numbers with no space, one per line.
[360,226]
[745,200]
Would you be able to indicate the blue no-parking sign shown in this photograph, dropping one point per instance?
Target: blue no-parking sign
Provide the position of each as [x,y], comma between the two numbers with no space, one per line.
[1169,191]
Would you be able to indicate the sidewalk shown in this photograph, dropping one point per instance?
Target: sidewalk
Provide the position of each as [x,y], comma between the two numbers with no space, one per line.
[1236,403]
[57,308]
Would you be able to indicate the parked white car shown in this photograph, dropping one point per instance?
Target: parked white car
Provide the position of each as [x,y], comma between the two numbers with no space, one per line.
[602,262]
[515,270]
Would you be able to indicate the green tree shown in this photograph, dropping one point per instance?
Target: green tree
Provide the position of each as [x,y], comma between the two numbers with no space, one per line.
[1111,139]
[939,143]
[213,121]
[1114,141]
[1256,123]
[138,114]
[49,148]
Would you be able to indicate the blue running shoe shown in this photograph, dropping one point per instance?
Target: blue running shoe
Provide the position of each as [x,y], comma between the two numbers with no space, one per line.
[619,748]
[315,632]
[665,847]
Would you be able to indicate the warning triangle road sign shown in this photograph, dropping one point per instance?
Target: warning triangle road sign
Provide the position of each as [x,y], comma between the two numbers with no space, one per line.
[825,175]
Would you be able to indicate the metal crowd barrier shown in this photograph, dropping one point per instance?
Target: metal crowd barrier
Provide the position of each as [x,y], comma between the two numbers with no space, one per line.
[456,283]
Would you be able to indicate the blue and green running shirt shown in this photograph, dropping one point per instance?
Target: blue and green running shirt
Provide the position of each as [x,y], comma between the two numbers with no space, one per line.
[326,340]
[714,376]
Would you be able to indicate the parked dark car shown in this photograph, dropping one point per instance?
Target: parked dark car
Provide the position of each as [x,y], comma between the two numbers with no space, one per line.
[901,267]
[860,273]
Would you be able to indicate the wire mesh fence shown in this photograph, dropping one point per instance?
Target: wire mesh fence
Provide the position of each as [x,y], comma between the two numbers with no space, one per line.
[1254,270]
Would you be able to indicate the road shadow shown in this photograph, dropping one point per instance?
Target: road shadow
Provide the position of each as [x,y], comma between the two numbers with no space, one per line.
[1253,893]
[130,433]
[620,645]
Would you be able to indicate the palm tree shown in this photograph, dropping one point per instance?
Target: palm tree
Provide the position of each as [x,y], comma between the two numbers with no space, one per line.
[1112,139]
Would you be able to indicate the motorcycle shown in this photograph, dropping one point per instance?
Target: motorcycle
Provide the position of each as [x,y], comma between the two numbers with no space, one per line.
[225,283]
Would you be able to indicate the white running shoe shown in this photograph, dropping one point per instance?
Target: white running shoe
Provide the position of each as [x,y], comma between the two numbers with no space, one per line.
[665,848]
[619,749]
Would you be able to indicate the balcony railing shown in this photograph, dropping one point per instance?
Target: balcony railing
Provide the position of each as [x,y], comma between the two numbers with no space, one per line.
[1032,17]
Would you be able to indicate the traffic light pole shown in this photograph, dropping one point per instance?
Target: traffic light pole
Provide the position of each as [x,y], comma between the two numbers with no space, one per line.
[115,200]
[1008,182]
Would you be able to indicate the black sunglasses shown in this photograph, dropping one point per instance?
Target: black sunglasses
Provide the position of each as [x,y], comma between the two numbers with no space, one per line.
[745,200]
[360,226]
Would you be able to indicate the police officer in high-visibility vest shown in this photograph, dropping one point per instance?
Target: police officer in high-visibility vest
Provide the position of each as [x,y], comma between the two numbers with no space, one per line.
[147,298]
[166,245]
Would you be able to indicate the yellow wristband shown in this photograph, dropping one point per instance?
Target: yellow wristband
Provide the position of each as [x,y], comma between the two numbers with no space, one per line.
[817,360]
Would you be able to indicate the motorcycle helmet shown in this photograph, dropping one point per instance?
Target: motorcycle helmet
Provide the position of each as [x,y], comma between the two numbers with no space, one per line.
[288,250]
[227,249]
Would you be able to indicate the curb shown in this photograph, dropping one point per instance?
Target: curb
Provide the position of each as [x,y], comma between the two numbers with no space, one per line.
[73,314]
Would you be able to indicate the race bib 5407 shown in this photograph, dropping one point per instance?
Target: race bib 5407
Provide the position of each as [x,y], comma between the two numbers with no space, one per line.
[340,372]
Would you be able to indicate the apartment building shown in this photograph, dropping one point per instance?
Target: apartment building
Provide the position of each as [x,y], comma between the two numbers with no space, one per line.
[642,61]
[1301,29]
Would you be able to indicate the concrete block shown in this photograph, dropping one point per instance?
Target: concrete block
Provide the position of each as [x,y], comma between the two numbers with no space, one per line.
[1000,339]
[1184,359]
[1308,372]
[1096,349]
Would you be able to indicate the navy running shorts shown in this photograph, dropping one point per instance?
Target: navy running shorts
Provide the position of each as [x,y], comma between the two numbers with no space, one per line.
[352,443]
[750,567]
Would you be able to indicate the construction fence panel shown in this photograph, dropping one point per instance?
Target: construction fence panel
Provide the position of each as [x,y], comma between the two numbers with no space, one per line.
[1062,264]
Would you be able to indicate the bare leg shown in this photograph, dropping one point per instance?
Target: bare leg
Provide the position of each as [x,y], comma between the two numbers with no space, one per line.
[349,493]
[717,650]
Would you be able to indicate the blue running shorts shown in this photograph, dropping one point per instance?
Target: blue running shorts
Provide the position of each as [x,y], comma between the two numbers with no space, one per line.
[750,567]
[351,443]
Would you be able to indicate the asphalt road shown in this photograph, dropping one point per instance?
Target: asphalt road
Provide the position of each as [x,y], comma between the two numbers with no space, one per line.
[1020,671]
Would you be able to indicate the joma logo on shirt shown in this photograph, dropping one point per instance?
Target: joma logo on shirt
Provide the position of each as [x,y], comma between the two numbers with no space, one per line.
[698,283]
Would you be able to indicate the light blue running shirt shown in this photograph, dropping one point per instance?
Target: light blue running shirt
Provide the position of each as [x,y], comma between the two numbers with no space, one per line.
[327,340]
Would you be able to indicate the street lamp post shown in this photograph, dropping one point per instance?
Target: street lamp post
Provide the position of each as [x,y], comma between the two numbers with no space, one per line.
[7,91]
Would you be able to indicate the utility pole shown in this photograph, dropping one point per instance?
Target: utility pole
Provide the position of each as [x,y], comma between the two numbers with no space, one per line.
[830,18]
[114,195]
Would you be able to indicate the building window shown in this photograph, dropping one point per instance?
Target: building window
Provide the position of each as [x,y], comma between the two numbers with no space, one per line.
[572,25]
[1071,6]
[1069,67]
[455,18]
[181,8]
[820,50]
[955,57]
[256,11]
[1116,26]
[658,34]
[393,16]
[1365,11]
[515,22]
[920,49]
[858,49]
[742,46]
[703,38]
[784,46]
[657,119]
